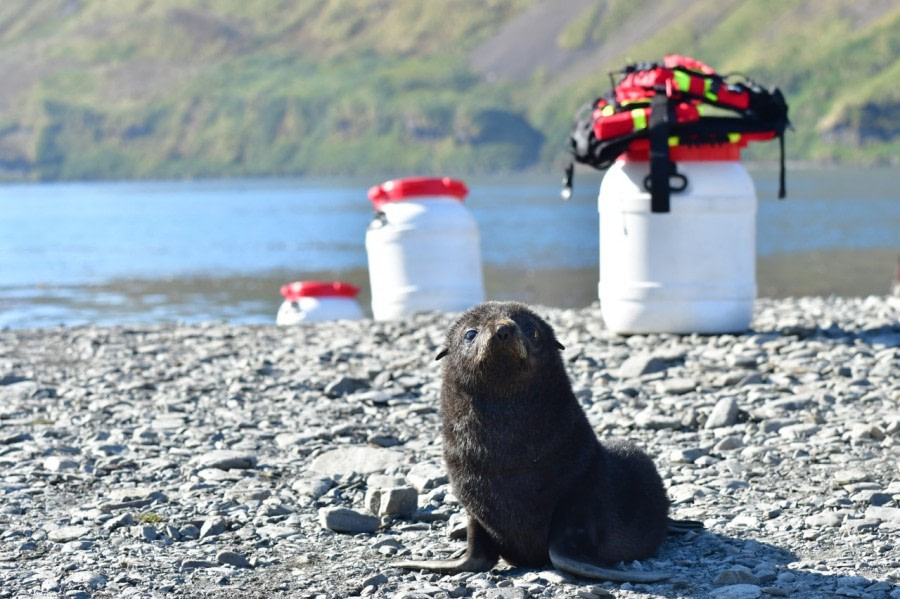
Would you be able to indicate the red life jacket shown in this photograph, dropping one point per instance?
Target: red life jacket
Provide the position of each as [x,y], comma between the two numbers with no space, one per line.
[654,106]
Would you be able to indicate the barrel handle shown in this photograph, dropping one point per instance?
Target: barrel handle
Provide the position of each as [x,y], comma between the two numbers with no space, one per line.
[680,184]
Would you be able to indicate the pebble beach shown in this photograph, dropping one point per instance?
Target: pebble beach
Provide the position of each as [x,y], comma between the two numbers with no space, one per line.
[217,460]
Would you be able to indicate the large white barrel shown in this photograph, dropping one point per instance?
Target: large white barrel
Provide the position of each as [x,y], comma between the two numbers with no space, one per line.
[423,248]
[316,301]
[690,270]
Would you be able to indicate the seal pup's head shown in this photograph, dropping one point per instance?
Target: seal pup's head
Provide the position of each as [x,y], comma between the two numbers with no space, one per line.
[499,342]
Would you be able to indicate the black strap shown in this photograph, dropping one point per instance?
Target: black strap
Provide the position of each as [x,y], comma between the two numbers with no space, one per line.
[658,131]
[782,190]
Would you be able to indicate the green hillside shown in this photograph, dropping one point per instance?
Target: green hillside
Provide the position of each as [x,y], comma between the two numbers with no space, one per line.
[189,88]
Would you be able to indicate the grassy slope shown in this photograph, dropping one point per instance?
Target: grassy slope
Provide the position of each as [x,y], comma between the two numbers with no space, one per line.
[169,88]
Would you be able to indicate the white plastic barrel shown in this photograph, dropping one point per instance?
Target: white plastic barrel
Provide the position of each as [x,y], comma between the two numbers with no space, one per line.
[423,248]
[315,301]
[690,270]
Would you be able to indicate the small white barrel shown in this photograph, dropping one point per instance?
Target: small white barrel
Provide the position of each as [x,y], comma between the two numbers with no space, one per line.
[423,248]
[315,301]
[690,270]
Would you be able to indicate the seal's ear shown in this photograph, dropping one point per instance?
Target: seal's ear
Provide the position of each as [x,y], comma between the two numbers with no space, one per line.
[558,344]
[442,353]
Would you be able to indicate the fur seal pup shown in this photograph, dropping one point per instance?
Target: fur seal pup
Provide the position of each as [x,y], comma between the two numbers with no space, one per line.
[523,460]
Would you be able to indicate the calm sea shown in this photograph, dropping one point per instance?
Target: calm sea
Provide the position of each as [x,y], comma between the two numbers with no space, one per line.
[110,253]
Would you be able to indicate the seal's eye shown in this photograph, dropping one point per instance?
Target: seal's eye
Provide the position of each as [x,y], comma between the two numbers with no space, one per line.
[531,332]
[471,334]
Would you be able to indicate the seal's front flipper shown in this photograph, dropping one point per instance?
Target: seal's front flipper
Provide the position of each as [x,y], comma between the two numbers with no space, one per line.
[481,554]
[681,527]
[579,567]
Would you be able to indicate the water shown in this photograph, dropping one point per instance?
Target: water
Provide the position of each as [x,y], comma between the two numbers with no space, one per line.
[111,253]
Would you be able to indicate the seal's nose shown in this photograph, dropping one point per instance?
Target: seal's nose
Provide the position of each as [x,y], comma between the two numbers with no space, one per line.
[505,332]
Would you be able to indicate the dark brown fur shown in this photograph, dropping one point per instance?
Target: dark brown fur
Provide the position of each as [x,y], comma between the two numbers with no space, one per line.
[524,461]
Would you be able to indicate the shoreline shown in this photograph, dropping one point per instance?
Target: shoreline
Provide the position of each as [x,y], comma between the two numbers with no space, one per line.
[254,298]
[365,179]
[211,460]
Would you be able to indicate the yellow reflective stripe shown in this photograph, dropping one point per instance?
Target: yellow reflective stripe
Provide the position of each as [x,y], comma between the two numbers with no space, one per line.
[734,137]
[639,118]
[707,90]
[673,141]
[608,110]
[682,80]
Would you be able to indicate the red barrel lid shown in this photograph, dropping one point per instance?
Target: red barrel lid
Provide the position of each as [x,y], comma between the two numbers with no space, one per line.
[413,187]
[294,291]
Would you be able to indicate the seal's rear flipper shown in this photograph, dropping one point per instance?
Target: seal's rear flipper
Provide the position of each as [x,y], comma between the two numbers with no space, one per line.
[588,570]
[466,563]
[682,527]
[481,555]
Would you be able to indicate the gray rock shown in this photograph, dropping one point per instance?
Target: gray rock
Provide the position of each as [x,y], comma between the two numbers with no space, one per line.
[17,391]
[888,516]
[232,558]
[725,413]
[217,475]
[677,386]
[145,532]
[736,591]
[146,436]
[86,578]
[457,525]
[76,546]
[392,501]
[729,443]
[313,486]
[383,440]
[852,475]
[639,365]
[686,492]
[825,519]
[751,379]
[226,459]
[15,438]
[345,520]
[359,458]
[345,386]
[745,360]
[288,440]
[426,476]
[60,463]
[196,564]
[774,425]
[124,494]
[213,526]
[501,593]
[375,581]
[654,421]
[385,481]
[734,576]
[172,532]
[276,531]
[687,456]
[799,431]
[64,534]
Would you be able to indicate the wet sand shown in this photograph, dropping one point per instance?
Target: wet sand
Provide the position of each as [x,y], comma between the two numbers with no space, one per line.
[255,298]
